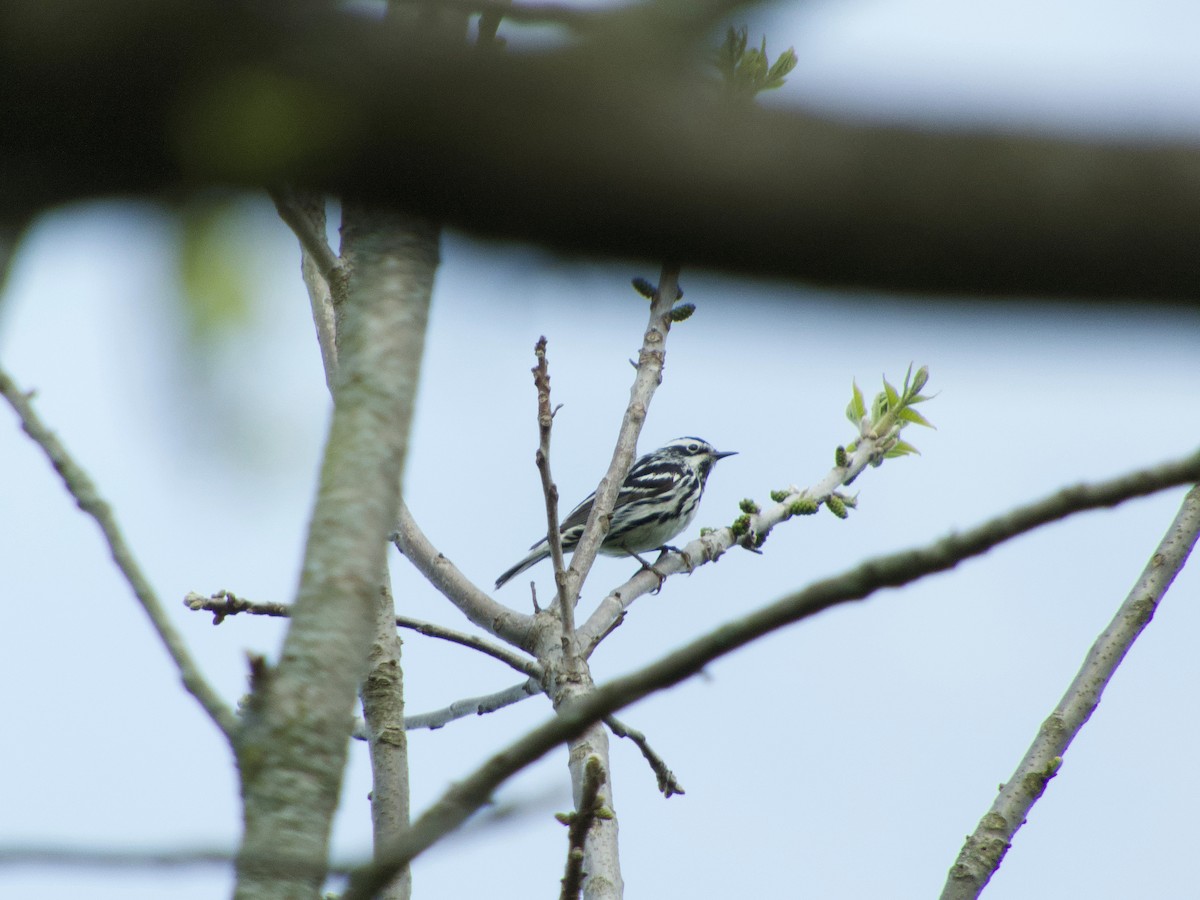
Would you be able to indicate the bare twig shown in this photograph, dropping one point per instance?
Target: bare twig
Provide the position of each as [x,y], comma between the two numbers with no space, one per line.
[307,221]
[223,604]
[81,487]
[579,823]
[667,782]
[985,848]
[649,376]
[473,706]
[892,570]
[541,379]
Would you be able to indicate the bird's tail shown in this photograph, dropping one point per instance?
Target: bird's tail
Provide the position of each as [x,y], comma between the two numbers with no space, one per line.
[539,552]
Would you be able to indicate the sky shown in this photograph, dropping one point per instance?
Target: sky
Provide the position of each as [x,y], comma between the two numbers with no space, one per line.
[844,757]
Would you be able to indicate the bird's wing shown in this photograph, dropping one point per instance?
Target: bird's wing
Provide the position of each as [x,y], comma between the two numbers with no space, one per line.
[643,481]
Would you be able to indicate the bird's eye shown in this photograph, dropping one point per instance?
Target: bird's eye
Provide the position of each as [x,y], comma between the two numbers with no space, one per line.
[693,448]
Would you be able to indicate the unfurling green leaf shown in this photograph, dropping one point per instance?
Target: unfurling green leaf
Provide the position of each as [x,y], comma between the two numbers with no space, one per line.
[856,410]
[835,505]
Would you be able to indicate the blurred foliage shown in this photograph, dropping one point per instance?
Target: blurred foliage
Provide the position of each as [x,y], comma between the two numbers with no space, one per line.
[216,266]
[747,72]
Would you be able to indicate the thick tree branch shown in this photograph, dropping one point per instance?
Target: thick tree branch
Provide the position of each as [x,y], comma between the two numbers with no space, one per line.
[81,487]
[637,155]
[892,570]
[293,746]
[985,848]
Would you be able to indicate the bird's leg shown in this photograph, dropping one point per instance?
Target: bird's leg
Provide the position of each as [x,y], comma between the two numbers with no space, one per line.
[687,557]
[647,567]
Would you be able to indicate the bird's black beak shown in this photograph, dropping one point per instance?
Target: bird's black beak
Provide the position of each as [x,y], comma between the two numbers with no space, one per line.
[722,455]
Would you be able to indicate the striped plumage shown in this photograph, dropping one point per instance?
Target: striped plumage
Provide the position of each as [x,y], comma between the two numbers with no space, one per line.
[657,500]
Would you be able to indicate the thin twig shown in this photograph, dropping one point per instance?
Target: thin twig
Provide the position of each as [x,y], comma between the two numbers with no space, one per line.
[473,706]
[309,230]
[81,487]
[646,381]
[985,848]
[541,380]
[579,823]
[667,782]
[124,858]
[893,570]
[223,604]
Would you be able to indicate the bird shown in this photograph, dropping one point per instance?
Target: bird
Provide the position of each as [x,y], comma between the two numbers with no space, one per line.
[657,500]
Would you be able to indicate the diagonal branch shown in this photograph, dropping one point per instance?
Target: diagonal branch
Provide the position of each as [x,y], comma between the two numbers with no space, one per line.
[508,624]
[647,380]
[84,491]
[893,570]
[862,581]
[307,222]
[985,848]
[667,783]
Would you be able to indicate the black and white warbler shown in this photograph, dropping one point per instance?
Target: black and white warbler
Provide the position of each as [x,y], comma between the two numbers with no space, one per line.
[657,500]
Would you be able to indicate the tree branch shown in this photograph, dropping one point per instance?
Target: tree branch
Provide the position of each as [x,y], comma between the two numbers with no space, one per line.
[579,823]
[858,583]
[667,782]
[541,380]
[293,747]
[772,192]
[645,382]
[508,624]
[476,706]
[985,848]
[223,604]
[81,487]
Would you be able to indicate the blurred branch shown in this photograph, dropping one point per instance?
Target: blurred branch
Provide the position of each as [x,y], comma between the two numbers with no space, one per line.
[306,218]
[985,848]
[300,712]
[320,267]
[893,570]
[81,487]
[223,604]
[195,93]
[579,823]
